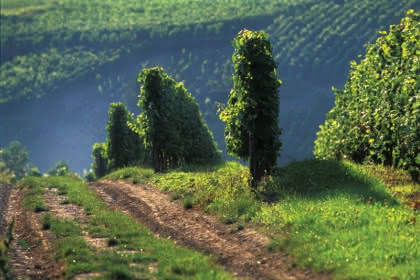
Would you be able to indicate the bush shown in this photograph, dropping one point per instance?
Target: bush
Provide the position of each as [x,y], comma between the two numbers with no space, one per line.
[14,159]
[376,116]
[61,169]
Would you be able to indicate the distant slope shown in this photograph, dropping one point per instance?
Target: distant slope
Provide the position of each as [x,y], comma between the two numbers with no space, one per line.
[317,40]
[70,38]
[47,43]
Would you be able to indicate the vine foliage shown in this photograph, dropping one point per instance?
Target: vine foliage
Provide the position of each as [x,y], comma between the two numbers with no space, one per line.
[171,123]
[251,115]
[122,147]
[100,164]
[376,117]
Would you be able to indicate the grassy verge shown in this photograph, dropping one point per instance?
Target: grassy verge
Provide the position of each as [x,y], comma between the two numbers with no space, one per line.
[331,216]
[136,253]
[5,178]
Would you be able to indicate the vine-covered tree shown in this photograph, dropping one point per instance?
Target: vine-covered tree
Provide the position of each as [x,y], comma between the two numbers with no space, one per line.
[376,117]
[251,115]
[124,147]
[100,164]
[171,122]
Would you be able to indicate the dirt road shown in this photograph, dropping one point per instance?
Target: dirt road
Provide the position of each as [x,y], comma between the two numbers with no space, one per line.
[4,198]
[243,253]
[31,256]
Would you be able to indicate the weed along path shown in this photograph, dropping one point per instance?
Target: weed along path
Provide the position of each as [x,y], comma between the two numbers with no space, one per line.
[243,253]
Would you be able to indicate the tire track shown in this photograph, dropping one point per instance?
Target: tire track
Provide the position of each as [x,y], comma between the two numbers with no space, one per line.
[243,253]
[31,254]
[5,190]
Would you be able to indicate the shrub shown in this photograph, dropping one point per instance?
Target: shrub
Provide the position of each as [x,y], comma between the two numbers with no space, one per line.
[61,169]
[14,159]
[376,116]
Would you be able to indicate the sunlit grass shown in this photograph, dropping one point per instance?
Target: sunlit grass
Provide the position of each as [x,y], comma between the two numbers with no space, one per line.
[33,198]
[4,178]
[331,216]
[221,189]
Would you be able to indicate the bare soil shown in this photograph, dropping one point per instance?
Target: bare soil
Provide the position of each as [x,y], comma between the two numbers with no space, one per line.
[31,255]
[4,198]
[243,253]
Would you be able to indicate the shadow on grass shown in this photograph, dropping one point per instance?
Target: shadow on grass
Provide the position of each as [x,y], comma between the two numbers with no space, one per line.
[317,179]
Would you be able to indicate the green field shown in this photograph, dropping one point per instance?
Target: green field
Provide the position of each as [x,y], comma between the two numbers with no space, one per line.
[338,217]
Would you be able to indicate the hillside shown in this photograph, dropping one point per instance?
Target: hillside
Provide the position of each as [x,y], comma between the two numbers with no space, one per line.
[71,58]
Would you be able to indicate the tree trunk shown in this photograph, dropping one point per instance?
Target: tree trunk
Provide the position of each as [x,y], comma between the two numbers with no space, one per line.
[155,158]
[253,161]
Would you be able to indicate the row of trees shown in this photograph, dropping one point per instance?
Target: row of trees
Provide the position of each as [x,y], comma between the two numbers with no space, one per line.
[376,117]
[170,131]
[172,123]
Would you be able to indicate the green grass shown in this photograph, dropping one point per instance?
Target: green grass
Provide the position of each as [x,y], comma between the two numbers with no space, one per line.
[331,216]
[123,234]
[218,189]
[336,218]
[4,178]
[33,199]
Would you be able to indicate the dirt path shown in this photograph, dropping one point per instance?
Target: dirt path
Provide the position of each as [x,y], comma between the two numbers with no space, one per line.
[31,255]
[5,190]
[243,252]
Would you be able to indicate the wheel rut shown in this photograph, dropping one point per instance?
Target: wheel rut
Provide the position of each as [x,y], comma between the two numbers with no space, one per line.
[31,254]
[243,253]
